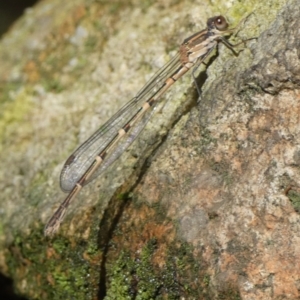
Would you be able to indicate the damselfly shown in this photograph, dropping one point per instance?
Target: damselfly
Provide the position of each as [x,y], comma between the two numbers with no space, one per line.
[115,136]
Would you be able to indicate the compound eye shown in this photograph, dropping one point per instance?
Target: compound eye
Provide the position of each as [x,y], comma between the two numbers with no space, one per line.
[221,23]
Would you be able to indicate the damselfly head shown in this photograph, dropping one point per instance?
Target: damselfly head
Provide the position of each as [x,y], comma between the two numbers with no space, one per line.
[217,22]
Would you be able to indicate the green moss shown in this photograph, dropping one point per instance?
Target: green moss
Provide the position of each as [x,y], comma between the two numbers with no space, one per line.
[92,249]
[119,274]
[181,276]
[1,229]
[229,294]
[13,112]
[6,91]
[149,283]
[90,43]
[206,138]
[146,4]
[63,272]
[295,199]
[114,6]
[140,278]
[123,196]
[206,280]
[52,85]
[244,8]
[134,278]
[36,190]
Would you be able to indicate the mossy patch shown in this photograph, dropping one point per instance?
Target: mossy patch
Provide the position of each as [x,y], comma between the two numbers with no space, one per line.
[141,278]
[294,197]
[63,272]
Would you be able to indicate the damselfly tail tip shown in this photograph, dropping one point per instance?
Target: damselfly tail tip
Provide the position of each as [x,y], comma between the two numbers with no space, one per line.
[50,230]
[54,223]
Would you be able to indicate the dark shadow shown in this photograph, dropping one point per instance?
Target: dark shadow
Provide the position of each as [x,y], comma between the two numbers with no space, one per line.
[107,226]
[7,290]
[11,11]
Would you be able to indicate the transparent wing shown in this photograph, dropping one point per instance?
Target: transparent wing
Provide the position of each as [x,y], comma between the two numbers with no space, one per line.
[77,164]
